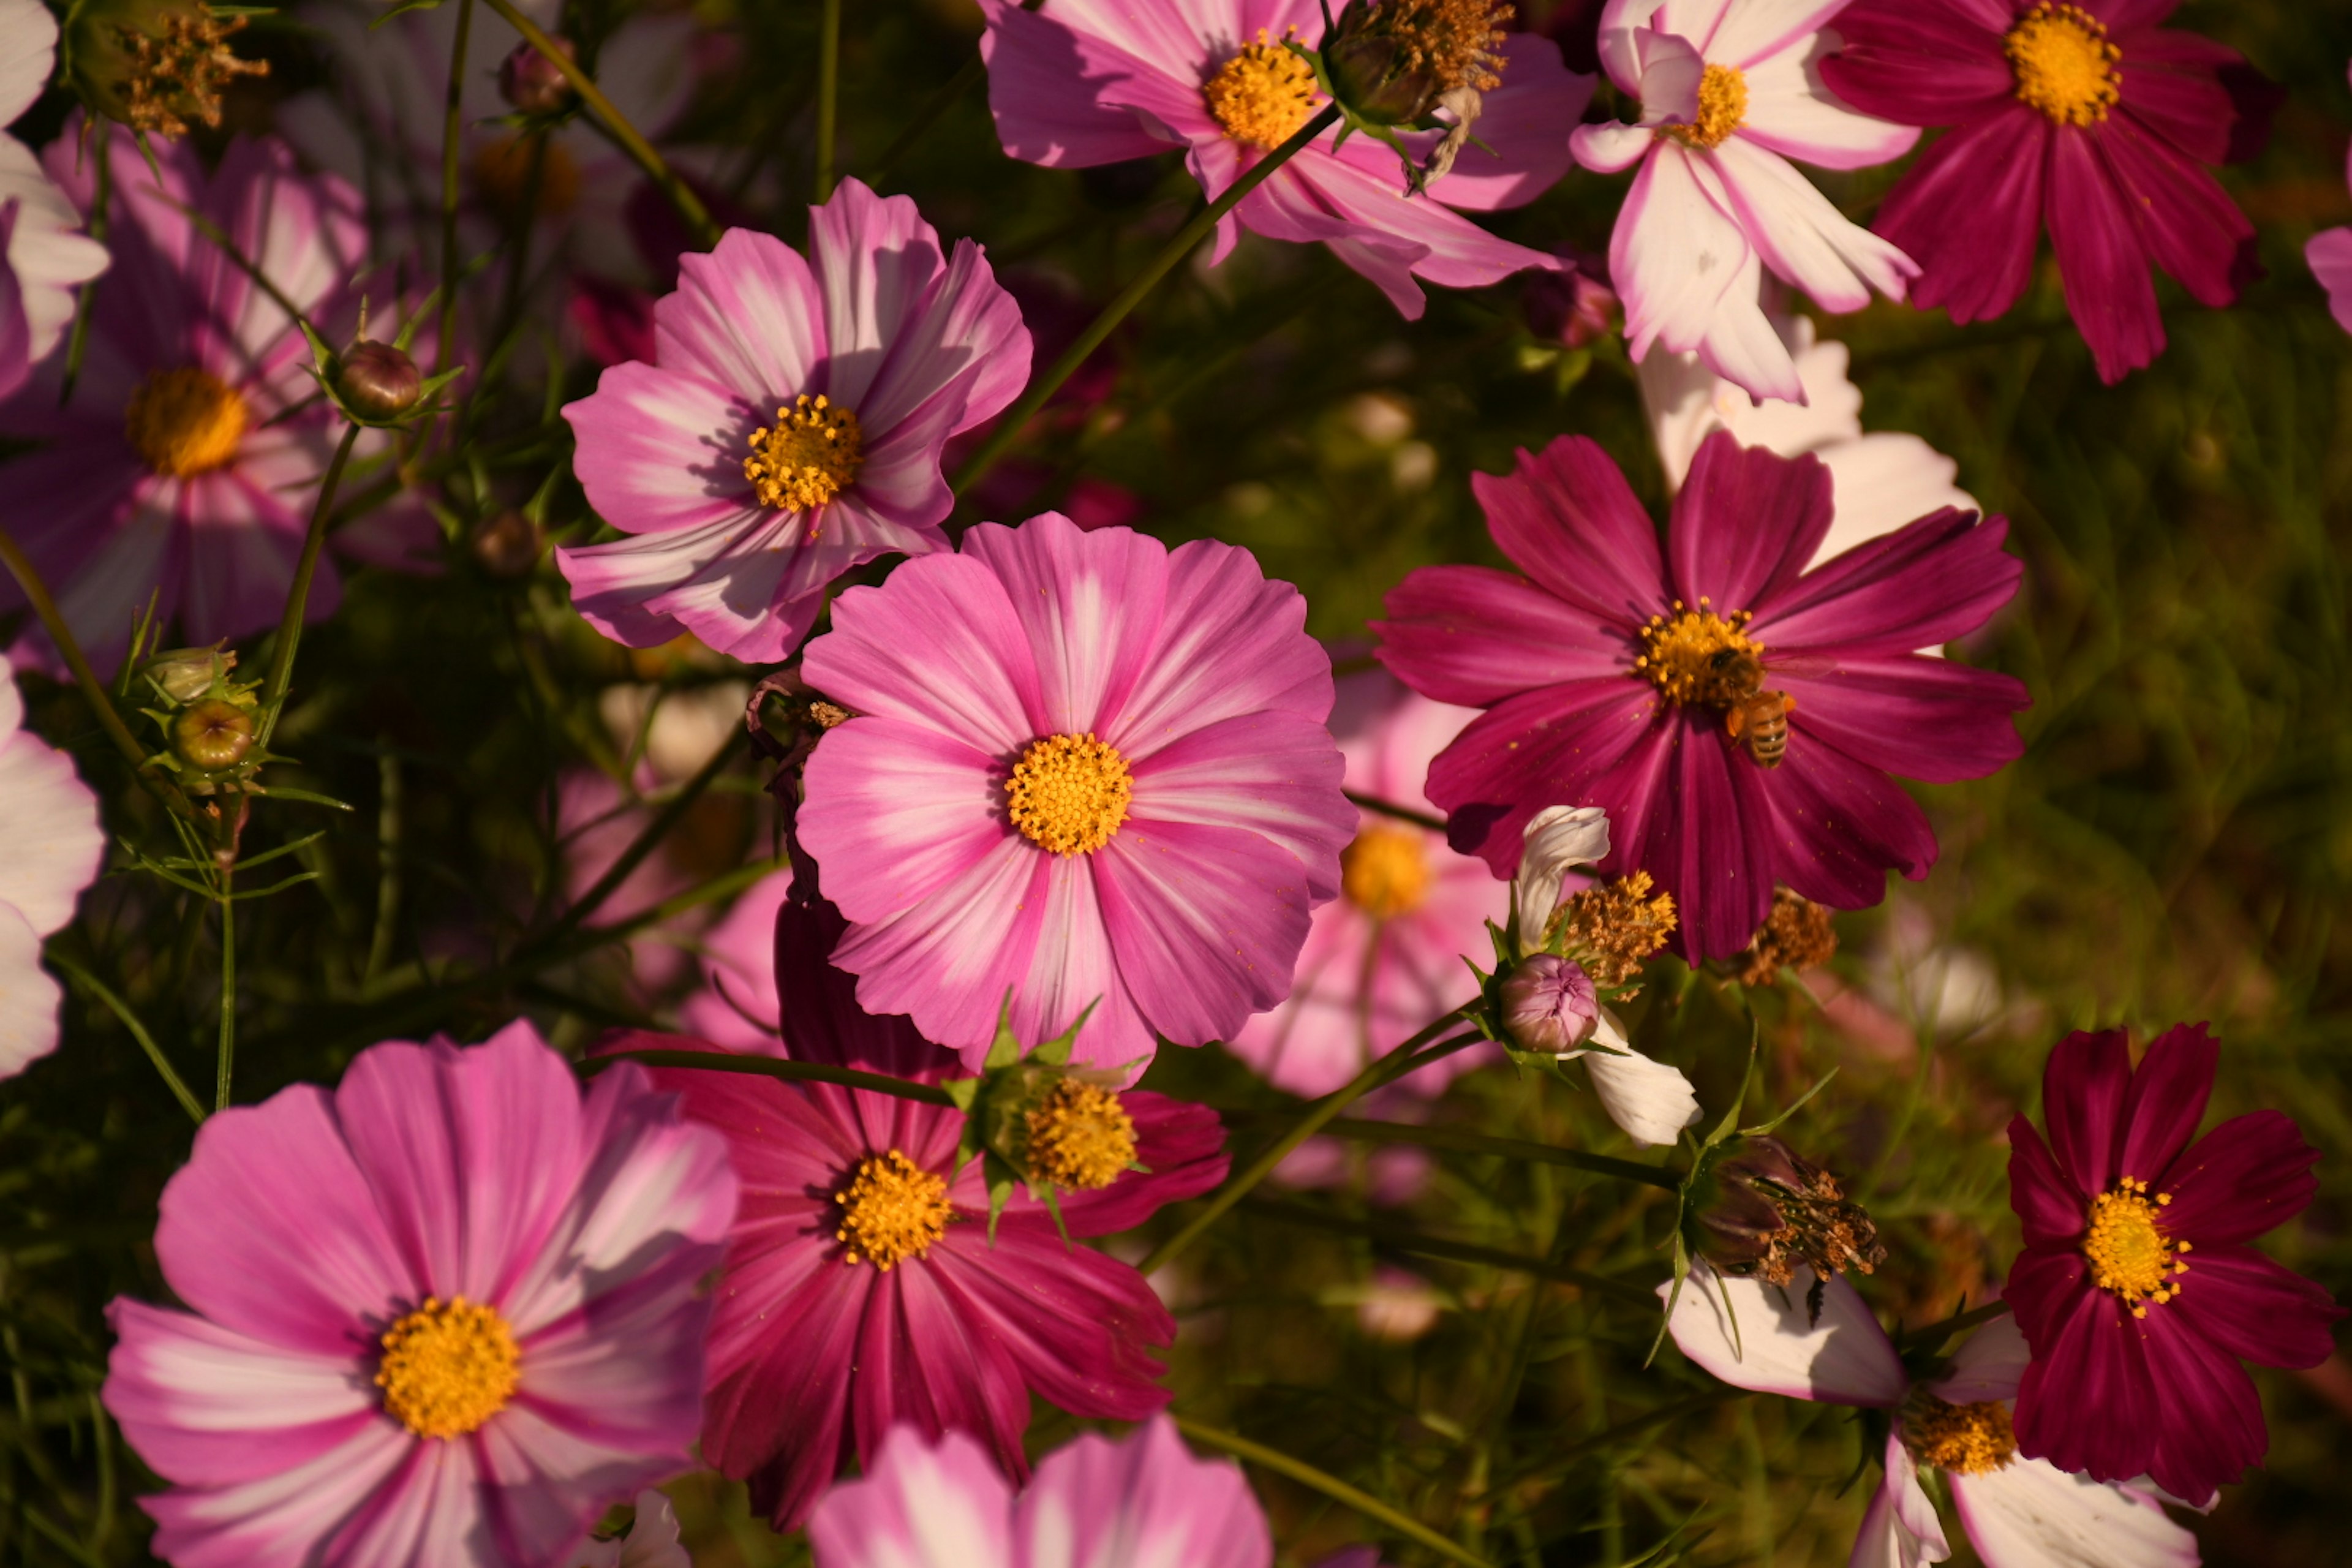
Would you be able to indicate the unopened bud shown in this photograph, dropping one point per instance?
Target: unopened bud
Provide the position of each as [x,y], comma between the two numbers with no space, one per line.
[1574,306]
[508,544]
[213,735]
[1549,1004]
[378,381]
[532,82]
[186,673]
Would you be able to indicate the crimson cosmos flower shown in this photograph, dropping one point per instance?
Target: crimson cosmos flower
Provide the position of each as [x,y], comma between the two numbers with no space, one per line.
[2088,117]
[2136,1291]
[1607,674]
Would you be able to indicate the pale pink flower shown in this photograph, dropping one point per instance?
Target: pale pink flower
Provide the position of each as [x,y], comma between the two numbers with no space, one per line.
[50,852]
[44,255]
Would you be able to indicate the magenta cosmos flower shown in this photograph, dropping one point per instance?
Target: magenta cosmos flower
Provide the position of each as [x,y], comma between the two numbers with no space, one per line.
[1094,1504]
[1611,673]
[186,462]
[790,424]
[1097,81]
[447,1313]
[2329,255]
[2136,1288]
[2088,118]
[1087,771]
[861,1286]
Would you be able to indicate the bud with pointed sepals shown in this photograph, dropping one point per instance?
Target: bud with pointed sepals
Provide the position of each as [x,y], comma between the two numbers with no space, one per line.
[213,735]
[1032,1117]
[1549,1004]
[184,674]
[533,83]
[378,382]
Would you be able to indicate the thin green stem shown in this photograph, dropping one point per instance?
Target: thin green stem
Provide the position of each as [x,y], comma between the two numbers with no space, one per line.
[130,1020]
[777,1068]
[1931,1336]
[453,130]
[1330,1485]
[828,96]
[1403,1238]
[102,193]
[227,1059]
[1457,1140]
[616,124]
[1380,807]
[647,841]
[1009,429]
[298,598]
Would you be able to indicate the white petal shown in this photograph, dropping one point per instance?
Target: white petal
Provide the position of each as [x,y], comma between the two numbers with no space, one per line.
[1609,148]
[1792,112]
[1671,71]
[1801,236]
[48,252]
[1900,1529]
[1881,482]
[2030,1514]
[1986,1366]
[1649,1101]
[1559,840]
[51,844]
[28,997]
[1844,1358]
[29,44]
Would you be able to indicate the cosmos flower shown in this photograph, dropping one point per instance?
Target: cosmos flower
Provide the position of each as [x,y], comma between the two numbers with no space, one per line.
[789,427]
[55,848]
[447,1313]
[2329,255]
[1087,771]
[1730,91]
[862,1287]
[2089,119]
[1095,1502]
[2019,1512]
[42,253]
[1609,674]
[2136,1288]
[1095,81]
[186,460]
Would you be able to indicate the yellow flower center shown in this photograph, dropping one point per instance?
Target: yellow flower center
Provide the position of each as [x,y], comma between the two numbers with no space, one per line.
[502,175]
[1697,655]
[2128,1251]
[1722,108]
[2064,65]
[185,422]
[809,457]
[1080,1136]
[1384,872]
[1966,1439]
[447,1367]
[1068,794]
[892,1209]
[1263,94]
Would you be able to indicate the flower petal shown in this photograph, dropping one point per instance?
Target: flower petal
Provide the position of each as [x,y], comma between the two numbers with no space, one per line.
[1909,715]
[2030,1514]
[948,960]
[2168,1090]
[2248,1306]
[2186,221]
[1992,170]
[928,809]
[1567,518]
[1584,741]
[1475,636]
[1230,642]
[2088,1401]
[658,450]
[1987,1365]
[1922,64]
[1650,1102]
[945,650]
[1758,1336]
[1939,578]
[1747,524]
[2250,1174]
[1802,237]
[2100,259]
[747,319]
[921,1504]
[2083,1087]
[1096,1503]
[2050,1207]
[1791,112]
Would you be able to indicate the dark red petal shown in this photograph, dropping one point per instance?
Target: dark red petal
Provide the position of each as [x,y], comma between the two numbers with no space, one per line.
[2251,1174]
[1707,841]
[1838,825]
[781,1421]
[818,1003]
[1567,518]
[1969,213]
[2042,1289]
[2087,1402]
[1080,1327]
[926,1359]
[2251,1306]
[1917,62]
[1747,522]
[2211,1427]
[1560,745]
[1473,635]
[1909,715]
[2167,1100]
[2049,1207]
[2083,1091]
[1935,578]
[2100,259]
[2125,16]
[2173,84]
[2187,223]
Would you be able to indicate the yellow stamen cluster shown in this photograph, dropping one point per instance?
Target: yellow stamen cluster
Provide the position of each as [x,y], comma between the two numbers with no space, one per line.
[1263,94]
[1080,1136]
[891,1209]
[1796,935]
[1385,871]
[1068,794]
[2128,1252]
[447,1367]
[185,422]
[1612,929]
[1722,108]
[181,69]
[2063,63]
[1696,656]
[1456,42]
[502,173]
[1965,1439]
[808,457]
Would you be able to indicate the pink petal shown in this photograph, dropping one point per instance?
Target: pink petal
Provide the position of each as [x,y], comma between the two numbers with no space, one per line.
[1549,746]
[1922,64]
[898,811]
[278,1521]
[877,264]
[2168,1090]
[1275,774]
[2329,255]
[921,1502]
[1567,518]
[966,347]
[1078,1325]
[664,449]
[1475,636]
[1097,1503]
[1915,717]
[2088,1402]
[1752,31]
[966,670]
[747,319]
[1074,968]
[1941,577]
[947,962]
[924,1356]
[2186,221]
[55,845]
[1091,607]
[1746,525]
[1231,642]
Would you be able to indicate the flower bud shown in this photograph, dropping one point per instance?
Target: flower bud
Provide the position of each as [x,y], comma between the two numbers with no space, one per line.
[213,735]
[532,83]
[507,545]
[378,381]
[186,673]
[1575,307]
[1762,1209]
[1549,1005]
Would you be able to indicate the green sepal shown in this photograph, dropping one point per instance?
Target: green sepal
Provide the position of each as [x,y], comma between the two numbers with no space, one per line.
[401,9]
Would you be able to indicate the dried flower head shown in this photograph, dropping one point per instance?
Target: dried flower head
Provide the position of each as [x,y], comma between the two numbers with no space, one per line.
[1612,929]
[1797,935]
[170,64]
[1772,1209]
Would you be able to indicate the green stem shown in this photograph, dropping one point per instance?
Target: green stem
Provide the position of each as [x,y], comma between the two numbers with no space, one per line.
[616,124]
[1931,1336]
[1009,429]
[85,302]
[1330,1485]
[1403,1238]
[1375,804]
[298,598]
[1394,1065]
[777,1068]
[453,130]
[227,1063]
[130,1020]
[828,96]
[647,841]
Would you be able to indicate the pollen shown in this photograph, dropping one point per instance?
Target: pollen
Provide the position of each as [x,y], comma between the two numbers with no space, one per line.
[1695,656]
[892,1209]
[808,457]
[181,70]
[447,1367]
[1385,872]
[1613,928]
[502,173]
[1456,42]
[1068,794]
[2128,1251]
[2063,63]
[1080,1136]
[1722,108]
[1263,94]
[1965,1439]
[1796,935]
[185,422]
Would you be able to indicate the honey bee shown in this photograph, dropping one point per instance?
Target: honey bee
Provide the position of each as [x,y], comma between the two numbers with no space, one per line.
[1752,716]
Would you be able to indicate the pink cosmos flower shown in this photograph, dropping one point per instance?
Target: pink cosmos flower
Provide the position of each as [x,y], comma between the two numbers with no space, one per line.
[2019,1512]
[1730,91]
[446,1313]
[1386,956]
[50,851]
[1085,82]
[187,458]
[2088,118]
[1094,1504]
[789,427]
[2136,1288]
[42,253]
[1610,672]
[2329,254]
[862,1287]
[1087,771]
